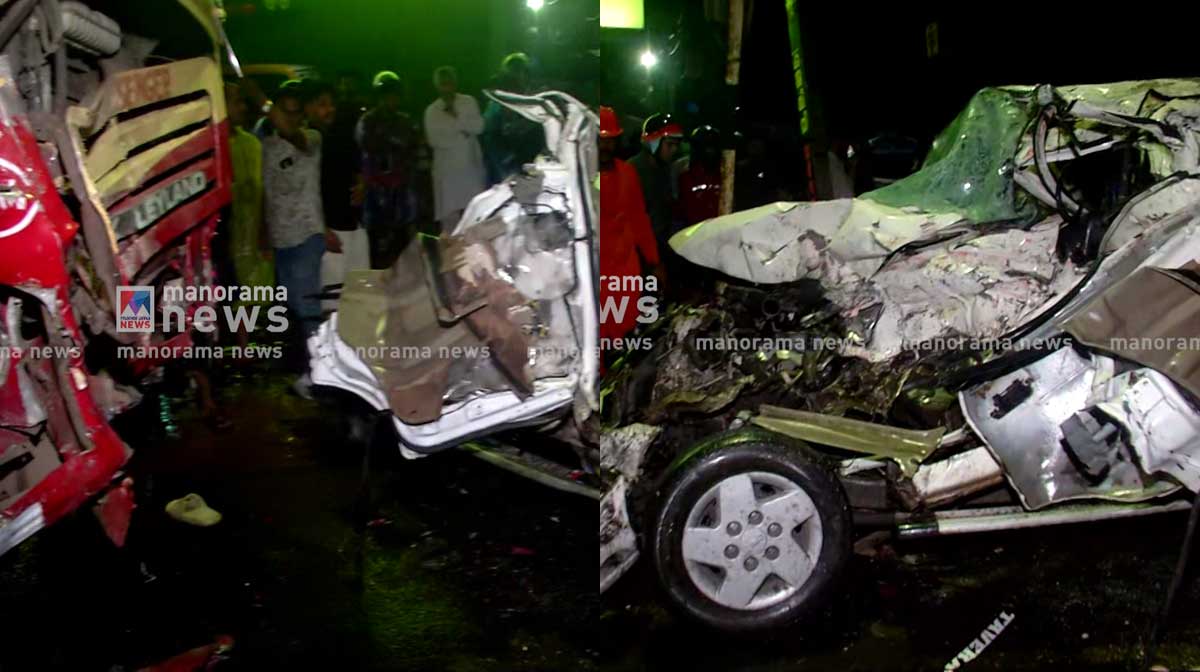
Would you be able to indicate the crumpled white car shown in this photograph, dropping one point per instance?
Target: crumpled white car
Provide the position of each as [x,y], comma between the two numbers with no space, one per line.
[1018,324]
[494,325]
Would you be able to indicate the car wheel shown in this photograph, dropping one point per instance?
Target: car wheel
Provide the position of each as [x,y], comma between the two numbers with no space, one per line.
[753,535]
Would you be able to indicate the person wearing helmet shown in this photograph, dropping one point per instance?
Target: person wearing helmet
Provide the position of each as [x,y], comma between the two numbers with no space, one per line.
[388,142]
[661,137]
[700,179]
[627,246]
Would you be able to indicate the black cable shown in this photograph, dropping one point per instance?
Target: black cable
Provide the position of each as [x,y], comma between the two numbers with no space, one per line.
[1160,620]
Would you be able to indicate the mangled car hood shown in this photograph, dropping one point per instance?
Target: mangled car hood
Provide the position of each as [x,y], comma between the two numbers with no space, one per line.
[971,244]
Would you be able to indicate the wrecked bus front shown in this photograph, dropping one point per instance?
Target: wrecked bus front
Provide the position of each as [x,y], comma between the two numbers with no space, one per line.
[113,172]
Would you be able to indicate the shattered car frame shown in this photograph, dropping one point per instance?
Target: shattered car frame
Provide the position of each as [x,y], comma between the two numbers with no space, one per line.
[493,325]
[1002,339]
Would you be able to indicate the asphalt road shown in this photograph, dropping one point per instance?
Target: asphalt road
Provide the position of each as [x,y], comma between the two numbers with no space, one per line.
[460,567]
[1080,597]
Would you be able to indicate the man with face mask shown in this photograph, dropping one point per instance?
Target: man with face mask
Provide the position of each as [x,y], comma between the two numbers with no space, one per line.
[661,137]
[452,126]
[627,245]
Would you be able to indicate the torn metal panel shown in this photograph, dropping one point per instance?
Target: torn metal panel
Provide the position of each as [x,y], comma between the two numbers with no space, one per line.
[388,317]
[908,447]
[1024,431]
[1131,98]
[976,288]
[956,282]
[1172,195]
[1161,425]
[838,243]
[618,543]
[623,450]
[1151,317]
[1171,242]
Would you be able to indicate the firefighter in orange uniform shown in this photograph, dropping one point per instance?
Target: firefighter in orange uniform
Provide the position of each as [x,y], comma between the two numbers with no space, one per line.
[627,246]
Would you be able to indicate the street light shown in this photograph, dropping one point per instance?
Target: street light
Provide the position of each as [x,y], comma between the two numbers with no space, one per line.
[535,5]
[649,60]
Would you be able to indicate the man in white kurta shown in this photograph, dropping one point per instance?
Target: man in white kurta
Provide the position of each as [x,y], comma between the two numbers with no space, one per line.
[452,125]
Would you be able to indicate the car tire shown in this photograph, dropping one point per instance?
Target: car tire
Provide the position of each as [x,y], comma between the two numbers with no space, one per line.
[709,579]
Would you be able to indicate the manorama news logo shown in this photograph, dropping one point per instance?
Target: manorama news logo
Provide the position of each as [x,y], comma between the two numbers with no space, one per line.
[135,308]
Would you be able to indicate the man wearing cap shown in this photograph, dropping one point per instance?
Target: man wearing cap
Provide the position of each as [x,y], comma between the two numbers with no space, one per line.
[627,246]
[661,137]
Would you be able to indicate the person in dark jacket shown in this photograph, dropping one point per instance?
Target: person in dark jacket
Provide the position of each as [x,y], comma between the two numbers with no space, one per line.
[510,140]
[661,137]
[389,143]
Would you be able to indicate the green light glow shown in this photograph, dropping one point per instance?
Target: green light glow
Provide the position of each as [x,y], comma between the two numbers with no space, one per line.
[649,60]
[535,5]
[622,14]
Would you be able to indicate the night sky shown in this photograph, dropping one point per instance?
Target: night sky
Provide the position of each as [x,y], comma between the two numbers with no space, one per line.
[869,68]
[413,37]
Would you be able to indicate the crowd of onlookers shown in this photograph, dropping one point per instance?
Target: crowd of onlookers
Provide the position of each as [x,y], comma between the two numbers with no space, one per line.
[325,182]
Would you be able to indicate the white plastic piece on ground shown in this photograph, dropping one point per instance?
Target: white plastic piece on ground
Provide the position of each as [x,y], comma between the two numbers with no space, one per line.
[618,544]
[90,30]
[1164,429]
[28,522]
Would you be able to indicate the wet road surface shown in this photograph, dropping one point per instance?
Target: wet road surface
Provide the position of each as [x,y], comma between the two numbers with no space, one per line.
[461,566]
[1082,598]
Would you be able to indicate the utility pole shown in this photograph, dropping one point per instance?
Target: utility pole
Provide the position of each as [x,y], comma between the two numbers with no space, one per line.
[733,67]
[812,132]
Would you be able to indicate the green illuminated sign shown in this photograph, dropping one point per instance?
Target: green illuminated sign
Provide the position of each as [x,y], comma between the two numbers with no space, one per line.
[622,14]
